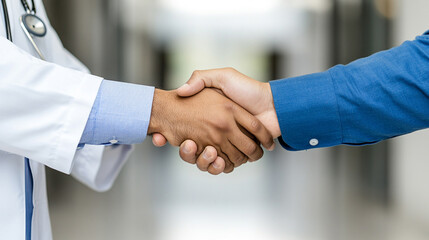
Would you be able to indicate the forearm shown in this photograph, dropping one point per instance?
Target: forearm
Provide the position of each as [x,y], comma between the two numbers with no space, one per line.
[369,100]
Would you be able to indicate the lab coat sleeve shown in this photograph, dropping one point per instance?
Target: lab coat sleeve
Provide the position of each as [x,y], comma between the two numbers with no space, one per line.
[98,166]
[44,107]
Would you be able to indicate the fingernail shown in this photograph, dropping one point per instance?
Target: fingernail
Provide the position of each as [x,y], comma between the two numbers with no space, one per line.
[186,149]
[216,165]
[272,147]
[206,155]
[185,87]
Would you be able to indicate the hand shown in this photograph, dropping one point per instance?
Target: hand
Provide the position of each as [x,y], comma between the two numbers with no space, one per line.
[254,96]
[209,119]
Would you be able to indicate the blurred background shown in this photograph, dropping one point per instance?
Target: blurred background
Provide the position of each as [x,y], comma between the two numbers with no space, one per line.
[375,192]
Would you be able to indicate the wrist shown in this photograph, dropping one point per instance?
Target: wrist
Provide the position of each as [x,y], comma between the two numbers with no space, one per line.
[159,104]
[274,125]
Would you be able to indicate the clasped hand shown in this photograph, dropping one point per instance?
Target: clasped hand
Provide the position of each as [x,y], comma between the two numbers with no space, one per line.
[217,130]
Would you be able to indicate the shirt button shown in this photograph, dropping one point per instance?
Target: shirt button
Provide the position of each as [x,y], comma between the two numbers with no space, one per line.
[113,141]
[314,142]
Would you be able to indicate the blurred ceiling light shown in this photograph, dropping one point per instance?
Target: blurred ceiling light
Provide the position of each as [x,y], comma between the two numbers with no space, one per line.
[220,7]
[314,5]
[239,7]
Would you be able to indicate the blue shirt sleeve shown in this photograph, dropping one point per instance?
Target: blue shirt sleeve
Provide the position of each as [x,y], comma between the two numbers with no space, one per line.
[120,114]
[372,99]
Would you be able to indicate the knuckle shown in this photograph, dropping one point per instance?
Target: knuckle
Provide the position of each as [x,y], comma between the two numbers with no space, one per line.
[255,157]
[228,165]
[216,139]
[201,168]
[196,74]
[238,160]
[228,169]
[202,165]
[230,70]
[188,159]
[259,155]
[251,149]
[213,172]
[230,107]
[245,160]
[255,125]
[223,125]
[236,165]
[254,151]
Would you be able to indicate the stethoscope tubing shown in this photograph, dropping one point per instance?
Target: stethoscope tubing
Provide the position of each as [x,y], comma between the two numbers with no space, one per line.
[6,20]
[27,8]
[36,31]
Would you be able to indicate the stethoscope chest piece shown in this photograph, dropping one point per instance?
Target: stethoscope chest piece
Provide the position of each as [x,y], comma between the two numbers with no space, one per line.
[34,25]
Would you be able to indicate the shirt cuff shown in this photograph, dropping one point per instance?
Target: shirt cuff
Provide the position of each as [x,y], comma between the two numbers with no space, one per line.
[120,114]
[307,111]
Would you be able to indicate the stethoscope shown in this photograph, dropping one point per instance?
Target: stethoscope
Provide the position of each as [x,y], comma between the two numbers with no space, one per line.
[31,24]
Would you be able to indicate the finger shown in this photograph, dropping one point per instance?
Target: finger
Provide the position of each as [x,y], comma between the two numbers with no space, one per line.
[217,167]
[206,158]
[158,140]
[248,134]
[248,147]
[229,166]
[234,154]
[201,79]
[253,126]
[188,151]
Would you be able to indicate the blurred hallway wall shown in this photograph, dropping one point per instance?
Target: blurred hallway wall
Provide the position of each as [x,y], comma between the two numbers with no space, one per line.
[320,194]
[410,153]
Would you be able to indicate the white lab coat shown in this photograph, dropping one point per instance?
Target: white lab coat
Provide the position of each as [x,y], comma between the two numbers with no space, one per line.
[44,107]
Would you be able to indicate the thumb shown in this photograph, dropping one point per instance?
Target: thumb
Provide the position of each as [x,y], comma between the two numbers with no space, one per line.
[199,80]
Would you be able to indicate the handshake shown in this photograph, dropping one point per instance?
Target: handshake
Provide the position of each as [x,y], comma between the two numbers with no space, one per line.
[219,118]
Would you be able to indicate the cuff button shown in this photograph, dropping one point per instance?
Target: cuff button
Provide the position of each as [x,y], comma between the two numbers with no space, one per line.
[113,141]
[314,142]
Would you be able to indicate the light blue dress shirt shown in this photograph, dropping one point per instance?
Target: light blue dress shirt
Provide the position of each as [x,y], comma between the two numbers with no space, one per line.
[372,99]
[120,114]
